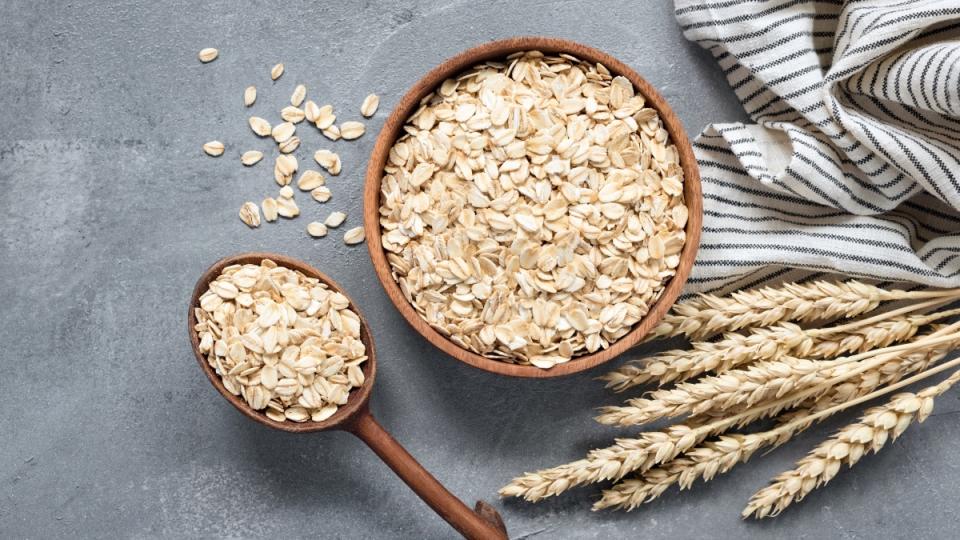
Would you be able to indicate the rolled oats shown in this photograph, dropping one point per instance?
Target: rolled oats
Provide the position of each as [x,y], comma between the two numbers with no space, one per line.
[533,209]
[351,130]
[208,55]
[328,160]
[292,114]
[299,94]
[284,342]
[251,157]
[353,236]
[260,126]
[335,219]
[325,117]
[309,180]
[213,148]
[250,214]
[283,131]
[269,208]
[369,105]
[317,229]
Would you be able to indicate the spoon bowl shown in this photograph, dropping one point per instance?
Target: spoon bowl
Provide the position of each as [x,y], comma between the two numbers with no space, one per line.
[483,522]
[358,397]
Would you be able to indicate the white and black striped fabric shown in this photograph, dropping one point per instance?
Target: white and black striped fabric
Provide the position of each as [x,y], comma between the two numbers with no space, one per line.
[853,165]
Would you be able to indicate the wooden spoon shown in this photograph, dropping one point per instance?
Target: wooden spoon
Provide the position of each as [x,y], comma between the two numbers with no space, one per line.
[481,523]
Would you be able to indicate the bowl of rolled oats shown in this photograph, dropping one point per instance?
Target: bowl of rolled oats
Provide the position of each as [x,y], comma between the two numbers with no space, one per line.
[532,207]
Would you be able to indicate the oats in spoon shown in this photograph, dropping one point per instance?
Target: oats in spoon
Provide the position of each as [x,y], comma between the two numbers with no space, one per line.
[283,341]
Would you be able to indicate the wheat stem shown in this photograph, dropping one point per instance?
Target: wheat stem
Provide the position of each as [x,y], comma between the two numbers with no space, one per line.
[652,448]
[719,456]
[870,433]
[886,315]
[885,374]
[756,383]
[707,314]
[784,339]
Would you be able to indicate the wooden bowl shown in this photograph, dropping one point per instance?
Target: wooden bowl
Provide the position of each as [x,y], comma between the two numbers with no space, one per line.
[358,397]
[393,129]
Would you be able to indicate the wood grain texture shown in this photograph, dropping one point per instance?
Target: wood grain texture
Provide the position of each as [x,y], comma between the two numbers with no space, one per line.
[354,416]
[392,129]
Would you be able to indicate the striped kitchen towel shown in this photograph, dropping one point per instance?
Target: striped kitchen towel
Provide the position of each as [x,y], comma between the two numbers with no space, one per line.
[853,165]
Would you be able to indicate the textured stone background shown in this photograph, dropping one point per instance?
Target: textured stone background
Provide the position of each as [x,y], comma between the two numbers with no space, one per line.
[110,211]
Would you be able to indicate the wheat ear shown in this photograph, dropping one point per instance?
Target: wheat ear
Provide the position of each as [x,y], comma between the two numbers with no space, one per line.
[755,384]
[610,463]
[652,448]
[706,314]
[871,433]
[719,456]
[784,339]
[705,461]
[887,373]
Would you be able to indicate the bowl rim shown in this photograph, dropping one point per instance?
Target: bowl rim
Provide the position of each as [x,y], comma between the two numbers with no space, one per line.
[499,49]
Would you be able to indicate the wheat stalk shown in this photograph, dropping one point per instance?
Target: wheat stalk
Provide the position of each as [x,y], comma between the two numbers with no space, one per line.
[706,314]
[721,392]
[652,448]
[785,339]
[756,383]
[719,456]
[871,433]
[610,463]
[887,373]
[705,461]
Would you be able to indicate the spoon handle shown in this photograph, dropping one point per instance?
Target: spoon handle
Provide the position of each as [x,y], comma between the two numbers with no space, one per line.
[482,524]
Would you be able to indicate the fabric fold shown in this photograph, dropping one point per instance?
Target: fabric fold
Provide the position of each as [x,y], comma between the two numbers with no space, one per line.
[853,165]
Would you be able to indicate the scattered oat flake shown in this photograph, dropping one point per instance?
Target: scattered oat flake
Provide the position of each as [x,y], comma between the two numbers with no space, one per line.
[299,94]
[317,229]
[208,55]
[325,117]
[260,126]
[276,72]
[290,145]
[286,192]
[328,160]
[249,95]
[287,208]
[213,148]
[283,131]
[351,130]
[353,236]
[311,111]
[269,207]
[310,179]
[335,219]
[251,157]
[250,214]
[287,165]
[332,133]
[292,114]
[369,105]
[321,194]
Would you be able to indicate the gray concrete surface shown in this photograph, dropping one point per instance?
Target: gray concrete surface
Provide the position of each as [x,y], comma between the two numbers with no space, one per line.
[109,213]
